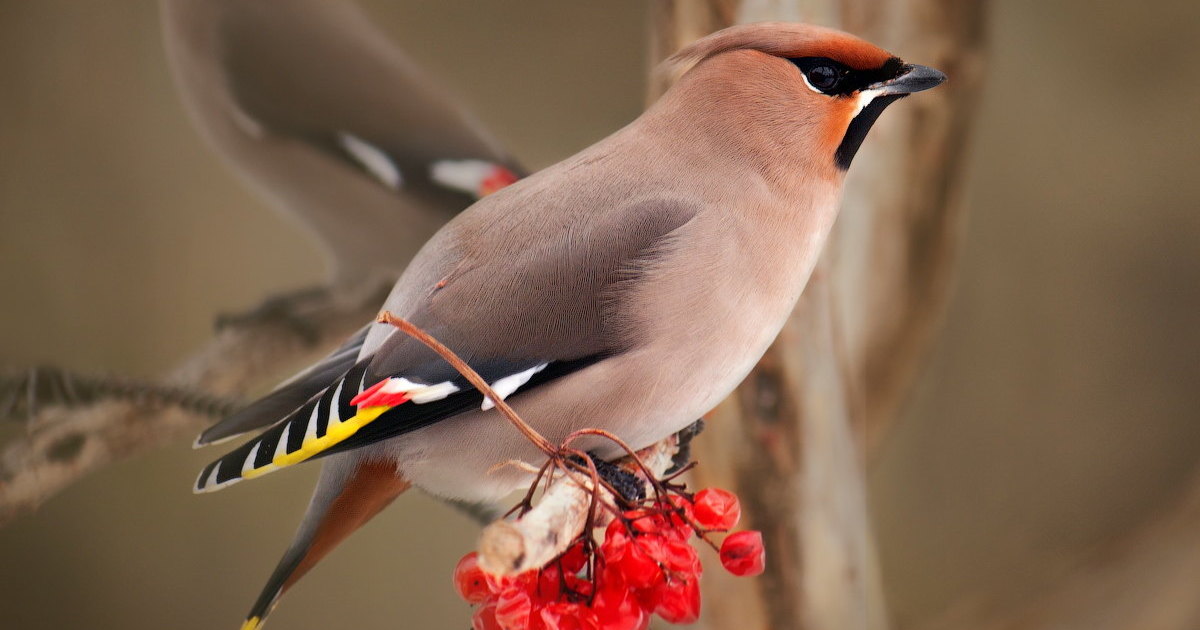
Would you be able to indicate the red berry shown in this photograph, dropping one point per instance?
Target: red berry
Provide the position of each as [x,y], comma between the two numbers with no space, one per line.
[680,502]
[679,526]
[549,583]
[649,523]
[616,538]
[618,609]
[717,509]
[469,579]
[679,601]
[742,553]
[616,530]
[637,567]
[574,559]
[579,586]
[680,556]
[649,597]
[485,618]
[569,616]
[514,608]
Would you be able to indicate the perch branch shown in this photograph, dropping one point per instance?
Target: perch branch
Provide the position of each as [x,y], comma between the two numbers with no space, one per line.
[546,531]
[63,444]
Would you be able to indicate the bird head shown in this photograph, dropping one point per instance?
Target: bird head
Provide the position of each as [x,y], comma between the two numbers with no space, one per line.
[820,86]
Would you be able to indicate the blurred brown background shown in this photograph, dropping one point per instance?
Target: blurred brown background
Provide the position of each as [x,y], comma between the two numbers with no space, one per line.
[1061,402]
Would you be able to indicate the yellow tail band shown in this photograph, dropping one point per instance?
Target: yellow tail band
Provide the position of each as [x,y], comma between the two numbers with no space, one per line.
[314,445]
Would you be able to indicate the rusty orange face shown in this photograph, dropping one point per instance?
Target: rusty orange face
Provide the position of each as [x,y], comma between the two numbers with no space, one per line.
[852,79]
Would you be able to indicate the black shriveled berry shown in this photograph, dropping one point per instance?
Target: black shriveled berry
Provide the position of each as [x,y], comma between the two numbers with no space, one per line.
[627,484]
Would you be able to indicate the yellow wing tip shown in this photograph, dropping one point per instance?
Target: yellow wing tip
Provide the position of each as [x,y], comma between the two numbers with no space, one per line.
[253,623]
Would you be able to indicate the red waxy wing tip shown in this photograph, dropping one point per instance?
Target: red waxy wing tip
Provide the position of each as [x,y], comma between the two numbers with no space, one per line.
[374,396]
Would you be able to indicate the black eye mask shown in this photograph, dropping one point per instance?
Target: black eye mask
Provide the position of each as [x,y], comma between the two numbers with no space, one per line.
[837,79]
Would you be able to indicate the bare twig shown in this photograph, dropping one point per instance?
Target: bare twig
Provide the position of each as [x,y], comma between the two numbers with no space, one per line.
[65,443]
[25,393]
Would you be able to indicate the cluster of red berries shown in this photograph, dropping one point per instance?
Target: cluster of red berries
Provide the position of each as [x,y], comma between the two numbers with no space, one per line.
[645,566]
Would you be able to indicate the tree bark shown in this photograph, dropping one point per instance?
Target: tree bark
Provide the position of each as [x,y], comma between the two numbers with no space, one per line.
[793,438]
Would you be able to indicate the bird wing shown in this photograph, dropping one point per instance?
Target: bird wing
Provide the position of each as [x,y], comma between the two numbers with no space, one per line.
[521,311]
[289,395]
[321,72]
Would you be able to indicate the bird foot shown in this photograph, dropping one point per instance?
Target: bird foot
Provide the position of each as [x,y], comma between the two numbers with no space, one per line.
[683,456]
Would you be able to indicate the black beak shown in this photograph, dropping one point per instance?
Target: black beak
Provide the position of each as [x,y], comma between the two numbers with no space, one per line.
[912,79]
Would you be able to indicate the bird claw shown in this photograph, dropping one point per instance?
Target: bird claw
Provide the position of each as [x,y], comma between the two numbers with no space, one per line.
[683,456]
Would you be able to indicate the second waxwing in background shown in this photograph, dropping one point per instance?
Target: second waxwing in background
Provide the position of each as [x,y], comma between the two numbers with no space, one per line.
[325,116]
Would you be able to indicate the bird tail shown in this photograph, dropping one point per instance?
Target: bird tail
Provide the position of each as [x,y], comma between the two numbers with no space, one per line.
[350,492]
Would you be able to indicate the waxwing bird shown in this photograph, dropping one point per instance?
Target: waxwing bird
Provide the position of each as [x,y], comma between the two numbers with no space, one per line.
[629,288]
[332,122]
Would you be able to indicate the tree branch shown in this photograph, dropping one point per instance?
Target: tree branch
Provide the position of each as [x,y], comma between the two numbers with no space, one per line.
[63,444]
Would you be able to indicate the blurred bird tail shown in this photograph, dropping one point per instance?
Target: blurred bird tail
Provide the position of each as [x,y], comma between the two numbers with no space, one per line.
[350,493]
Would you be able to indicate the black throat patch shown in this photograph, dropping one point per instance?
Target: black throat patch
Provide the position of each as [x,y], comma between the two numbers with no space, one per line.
[857,131]
[837,80]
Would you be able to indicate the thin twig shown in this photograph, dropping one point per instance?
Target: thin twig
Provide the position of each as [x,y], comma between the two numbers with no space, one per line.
[472,377]
[44,387]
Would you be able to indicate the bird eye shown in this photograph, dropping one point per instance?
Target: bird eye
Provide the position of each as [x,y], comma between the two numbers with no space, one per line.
[824,78]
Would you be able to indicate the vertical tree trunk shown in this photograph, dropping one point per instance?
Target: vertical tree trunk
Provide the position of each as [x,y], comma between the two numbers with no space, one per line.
[793,438]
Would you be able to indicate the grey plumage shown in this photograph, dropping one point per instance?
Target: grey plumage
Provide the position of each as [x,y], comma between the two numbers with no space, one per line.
[321,113]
